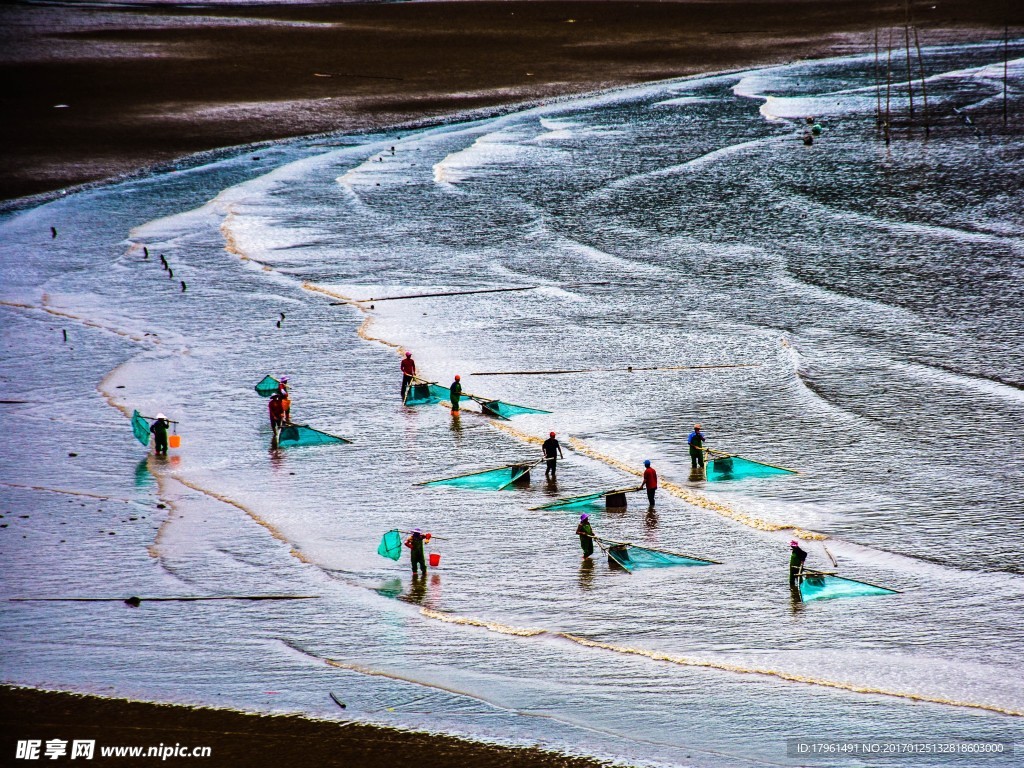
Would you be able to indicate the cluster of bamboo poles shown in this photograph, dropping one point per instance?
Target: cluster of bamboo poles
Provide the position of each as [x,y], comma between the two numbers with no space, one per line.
[883,117]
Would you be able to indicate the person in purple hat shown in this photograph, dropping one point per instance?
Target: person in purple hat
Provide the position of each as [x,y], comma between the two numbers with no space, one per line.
[586,534]
[415,544]
[796,561]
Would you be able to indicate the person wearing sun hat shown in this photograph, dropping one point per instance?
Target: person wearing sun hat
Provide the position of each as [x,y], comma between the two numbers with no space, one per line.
[796,561]
[159,430]
[552,452]
[586,534]
[696,443]
[415,544]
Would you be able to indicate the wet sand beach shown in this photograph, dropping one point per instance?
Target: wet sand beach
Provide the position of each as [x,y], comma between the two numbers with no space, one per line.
[98,91]
[237,738]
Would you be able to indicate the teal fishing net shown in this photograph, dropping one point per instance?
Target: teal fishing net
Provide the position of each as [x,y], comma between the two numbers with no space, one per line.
[632,557]
[574,502]
[738,468]
[486,480]
[584,500]
[427,393]
[140,427]
[506,410]
[390,545]
[300,434]
[267,386]
[822,587]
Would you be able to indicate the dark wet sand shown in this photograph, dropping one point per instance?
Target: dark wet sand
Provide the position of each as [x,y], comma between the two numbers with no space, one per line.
[146,85]
[237,739]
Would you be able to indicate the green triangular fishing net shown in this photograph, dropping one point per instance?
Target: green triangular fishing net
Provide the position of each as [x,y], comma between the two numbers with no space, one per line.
[300,434]
[584,500]
[506,410]
[738,468]
[427,393]
[825,587]
[267,386]
[631,557]
[140,427]
[484,480]
[390,545]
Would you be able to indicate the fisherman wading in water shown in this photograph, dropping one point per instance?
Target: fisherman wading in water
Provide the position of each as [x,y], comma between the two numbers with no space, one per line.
[650,482]
[552,452]
[696,442]
[159,430]
[796,562]
[586,534]
[415,544]
[456,389]
[408,371]
[276,409]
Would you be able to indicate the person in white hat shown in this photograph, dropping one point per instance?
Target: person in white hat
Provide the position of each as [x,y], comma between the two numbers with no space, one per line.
[159,430]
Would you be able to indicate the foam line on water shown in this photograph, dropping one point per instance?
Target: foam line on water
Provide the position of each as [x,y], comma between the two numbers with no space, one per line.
[723,666]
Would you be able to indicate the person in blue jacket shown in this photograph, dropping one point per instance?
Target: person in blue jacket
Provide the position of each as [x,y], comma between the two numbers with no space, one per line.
[696,442]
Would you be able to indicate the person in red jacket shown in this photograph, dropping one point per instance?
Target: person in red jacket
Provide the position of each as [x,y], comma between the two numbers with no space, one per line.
[650,482]
[408,371]
[276,407]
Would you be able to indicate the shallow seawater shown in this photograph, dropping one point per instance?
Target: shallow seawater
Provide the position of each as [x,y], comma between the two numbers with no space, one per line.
[861,311]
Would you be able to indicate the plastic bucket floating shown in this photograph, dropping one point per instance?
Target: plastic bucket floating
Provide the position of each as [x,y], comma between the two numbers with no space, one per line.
[435,559]
[174,441]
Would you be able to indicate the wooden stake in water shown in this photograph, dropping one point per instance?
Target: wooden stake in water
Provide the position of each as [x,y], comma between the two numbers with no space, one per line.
[888,87]
[1006,65]
[878,87]
[924,86]
[906,41]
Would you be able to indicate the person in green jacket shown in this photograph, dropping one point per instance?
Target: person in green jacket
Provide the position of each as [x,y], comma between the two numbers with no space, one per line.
[456,389]
[159,430]
[586,534]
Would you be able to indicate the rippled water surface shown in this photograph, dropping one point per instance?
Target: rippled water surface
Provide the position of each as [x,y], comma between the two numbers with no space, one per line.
[862,307]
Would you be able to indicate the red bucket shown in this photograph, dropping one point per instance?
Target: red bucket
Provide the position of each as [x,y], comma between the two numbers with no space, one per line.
[435,559]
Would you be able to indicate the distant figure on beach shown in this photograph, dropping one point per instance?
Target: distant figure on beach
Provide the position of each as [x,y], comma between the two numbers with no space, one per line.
[53,233]
[696,443]
[586,534]
[456,389]
[415,544]
[276,408]
[408,371]
[552,451]
[796,561]
[159,430]
[282,386]
[650,482]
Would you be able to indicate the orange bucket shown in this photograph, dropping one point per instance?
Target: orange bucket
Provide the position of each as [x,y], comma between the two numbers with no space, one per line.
[174,441]
[435,559]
